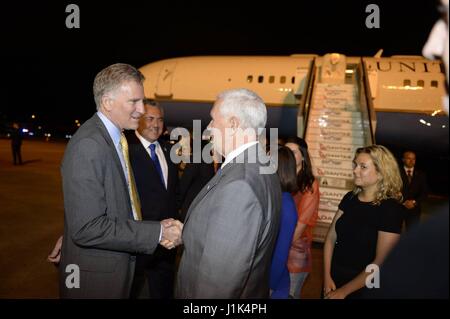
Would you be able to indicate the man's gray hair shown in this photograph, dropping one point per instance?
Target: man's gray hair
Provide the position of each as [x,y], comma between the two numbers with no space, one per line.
[111,77]
[246,105]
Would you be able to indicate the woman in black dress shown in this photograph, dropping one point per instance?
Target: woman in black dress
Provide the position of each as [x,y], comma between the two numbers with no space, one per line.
[366,226]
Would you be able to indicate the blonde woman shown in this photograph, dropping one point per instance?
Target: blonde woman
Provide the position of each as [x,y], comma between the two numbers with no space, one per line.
[367,225]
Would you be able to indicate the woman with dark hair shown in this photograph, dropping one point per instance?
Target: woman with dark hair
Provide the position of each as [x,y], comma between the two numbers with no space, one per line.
[279,274]
[307,203]
[367,225]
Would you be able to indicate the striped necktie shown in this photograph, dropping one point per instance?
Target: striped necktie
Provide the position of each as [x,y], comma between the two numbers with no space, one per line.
[134,198]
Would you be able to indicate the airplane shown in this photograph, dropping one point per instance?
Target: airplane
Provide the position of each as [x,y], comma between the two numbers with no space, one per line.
[337,103]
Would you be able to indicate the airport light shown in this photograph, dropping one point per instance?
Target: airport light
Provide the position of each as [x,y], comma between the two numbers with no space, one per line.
[33,116]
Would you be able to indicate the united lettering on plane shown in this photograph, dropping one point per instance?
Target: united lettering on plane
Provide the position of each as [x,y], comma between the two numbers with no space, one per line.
[403,66]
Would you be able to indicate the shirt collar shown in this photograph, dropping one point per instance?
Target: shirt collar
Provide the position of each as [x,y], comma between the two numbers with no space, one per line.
[144,142]
[237,152]
[408,169]
[112,129]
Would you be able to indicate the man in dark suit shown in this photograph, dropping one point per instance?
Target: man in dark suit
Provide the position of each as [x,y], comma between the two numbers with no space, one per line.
[231,226]
[157,181]
[103,227]
[414,188]
[16,144]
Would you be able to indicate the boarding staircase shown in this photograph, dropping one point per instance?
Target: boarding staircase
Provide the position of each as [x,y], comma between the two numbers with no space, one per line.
[338,124]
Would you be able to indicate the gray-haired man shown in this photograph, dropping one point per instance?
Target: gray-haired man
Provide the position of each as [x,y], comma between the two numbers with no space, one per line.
[231,226]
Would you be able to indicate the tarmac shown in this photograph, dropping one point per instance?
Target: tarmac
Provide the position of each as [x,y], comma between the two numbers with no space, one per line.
[31,213]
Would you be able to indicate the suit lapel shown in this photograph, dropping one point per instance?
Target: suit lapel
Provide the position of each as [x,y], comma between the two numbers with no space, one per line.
[241,158]
[206,189]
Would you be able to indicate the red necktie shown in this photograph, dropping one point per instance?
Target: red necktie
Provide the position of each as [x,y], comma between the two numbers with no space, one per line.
[409,173]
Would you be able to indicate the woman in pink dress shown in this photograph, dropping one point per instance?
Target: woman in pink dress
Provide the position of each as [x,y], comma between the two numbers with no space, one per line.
[307,203]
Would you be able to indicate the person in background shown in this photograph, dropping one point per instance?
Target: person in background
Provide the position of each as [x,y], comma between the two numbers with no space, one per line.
[279,273]
[307,202]
[367,225]
[157,185]
[16,144]
[414,189]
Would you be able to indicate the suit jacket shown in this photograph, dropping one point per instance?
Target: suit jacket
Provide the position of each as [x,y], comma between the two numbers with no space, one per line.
[157,202]
[99,235]
[195,177]
[416,190]
[230,232]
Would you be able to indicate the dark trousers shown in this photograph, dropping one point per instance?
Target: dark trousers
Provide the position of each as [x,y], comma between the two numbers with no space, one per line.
[17,156]
[154,275]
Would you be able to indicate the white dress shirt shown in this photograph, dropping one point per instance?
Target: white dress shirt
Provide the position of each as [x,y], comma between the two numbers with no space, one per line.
[159,152]
[237,152]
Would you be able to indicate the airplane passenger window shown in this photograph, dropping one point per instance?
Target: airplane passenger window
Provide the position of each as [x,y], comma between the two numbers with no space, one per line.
[250,78]
[421,83]
[293,80]
[434,84]
[261,79]
[271,79]
[406,82]
[282,79]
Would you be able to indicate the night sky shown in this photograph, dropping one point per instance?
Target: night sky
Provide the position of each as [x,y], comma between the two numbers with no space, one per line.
[50,69]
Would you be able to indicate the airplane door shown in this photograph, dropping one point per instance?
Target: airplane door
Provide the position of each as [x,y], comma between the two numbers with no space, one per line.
[301,77]
[165,78]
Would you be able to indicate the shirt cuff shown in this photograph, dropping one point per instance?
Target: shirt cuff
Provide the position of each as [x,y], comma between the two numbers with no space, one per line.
[160,234]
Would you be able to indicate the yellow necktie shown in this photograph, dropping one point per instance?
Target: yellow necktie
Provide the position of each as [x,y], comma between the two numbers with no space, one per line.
[135,204]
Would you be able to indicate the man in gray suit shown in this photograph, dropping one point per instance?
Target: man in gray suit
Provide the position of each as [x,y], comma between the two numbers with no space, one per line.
[103,228]
[232,224]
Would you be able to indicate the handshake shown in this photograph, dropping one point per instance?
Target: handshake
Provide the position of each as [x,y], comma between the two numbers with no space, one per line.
[171,233]
[171,237]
